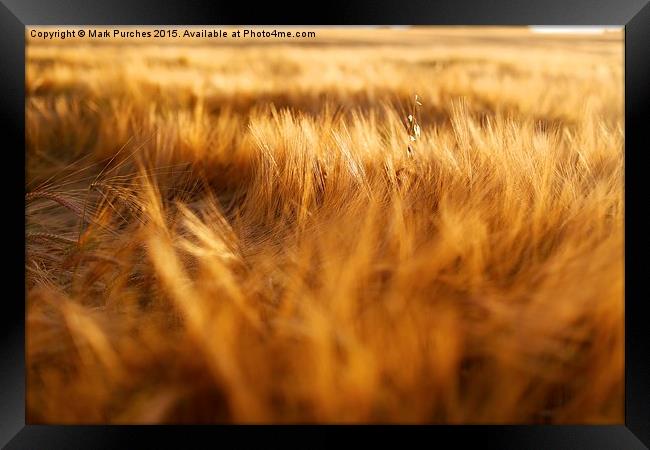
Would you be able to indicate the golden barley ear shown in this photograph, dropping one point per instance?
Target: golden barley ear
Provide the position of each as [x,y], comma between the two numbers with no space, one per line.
[412,126]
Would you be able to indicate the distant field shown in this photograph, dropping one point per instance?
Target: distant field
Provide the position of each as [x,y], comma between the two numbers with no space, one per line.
[372,225]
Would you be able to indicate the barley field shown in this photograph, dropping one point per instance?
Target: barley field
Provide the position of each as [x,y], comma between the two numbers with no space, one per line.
[419,225]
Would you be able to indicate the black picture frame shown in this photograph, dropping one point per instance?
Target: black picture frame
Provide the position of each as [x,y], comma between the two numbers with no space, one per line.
[15,15]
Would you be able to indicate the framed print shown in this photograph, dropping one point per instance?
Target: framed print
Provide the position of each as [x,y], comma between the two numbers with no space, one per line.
[424,215]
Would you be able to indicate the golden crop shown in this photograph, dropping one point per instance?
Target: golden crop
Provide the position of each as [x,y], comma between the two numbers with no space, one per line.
[256,232]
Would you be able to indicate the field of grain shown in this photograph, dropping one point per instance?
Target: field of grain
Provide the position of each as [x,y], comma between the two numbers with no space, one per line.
[255,231]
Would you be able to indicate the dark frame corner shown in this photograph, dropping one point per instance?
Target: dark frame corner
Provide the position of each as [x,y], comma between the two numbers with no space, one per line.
[633,14]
